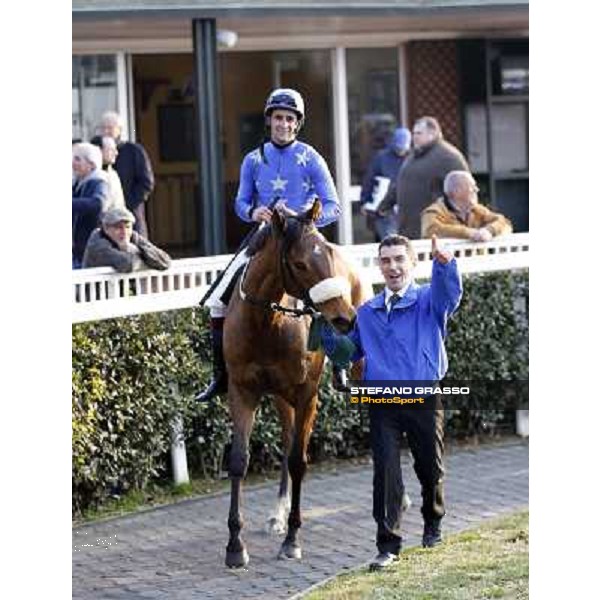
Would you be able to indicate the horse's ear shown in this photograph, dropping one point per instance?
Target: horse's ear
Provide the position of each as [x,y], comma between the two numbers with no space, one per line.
[278,223]
[315,212]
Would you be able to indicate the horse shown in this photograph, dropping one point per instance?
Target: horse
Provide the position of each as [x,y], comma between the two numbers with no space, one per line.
[265,349]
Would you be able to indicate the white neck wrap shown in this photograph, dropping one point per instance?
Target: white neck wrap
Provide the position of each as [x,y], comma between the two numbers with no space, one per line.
[333,287]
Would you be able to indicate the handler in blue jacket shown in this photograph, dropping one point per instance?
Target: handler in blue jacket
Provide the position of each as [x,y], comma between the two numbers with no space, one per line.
[400,333]
[281,172]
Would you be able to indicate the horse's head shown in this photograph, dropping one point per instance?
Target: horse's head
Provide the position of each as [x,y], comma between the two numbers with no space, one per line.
[310,270]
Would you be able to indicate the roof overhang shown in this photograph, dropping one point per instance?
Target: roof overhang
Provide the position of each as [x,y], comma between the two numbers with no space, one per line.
[166,26]
[280,8]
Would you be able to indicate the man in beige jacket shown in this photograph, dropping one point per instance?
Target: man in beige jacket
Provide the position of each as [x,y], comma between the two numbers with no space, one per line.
[458,214]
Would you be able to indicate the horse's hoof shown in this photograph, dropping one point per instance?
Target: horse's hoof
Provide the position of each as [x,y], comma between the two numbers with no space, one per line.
[237,560]
[292,551]
[275,526]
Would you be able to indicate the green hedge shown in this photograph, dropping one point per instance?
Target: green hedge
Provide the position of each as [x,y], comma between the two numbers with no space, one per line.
[132,375]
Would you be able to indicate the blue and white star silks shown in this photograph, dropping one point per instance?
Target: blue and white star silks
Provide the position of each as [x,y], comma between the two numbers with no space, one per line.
[297,172]
[302,158]
[279,184]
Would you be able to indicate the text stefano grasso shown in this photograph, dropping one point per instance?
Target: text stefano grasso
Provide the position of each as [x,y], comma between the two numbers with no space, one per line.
[427,391]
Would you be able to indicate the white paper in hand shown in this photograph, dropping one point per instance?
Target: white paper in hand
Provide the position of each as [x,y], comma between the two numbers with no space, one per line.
[382,184]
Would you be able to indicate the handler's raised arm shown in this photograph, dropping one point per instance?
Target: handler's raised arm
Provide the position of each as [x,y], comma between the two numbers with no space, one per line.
[446,283]
[442,256]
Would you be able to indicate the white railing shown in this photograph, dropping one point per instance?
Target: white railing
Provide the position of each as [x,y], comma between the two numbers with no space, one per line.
[103,294]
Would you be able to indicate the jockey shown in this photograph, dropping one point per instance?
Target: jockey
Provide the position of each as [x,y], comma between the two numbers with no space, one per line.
[281,172]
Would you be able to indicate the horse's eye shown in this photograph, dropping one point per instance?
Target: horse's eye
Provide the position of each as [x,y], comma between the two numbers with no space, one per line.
[300,266]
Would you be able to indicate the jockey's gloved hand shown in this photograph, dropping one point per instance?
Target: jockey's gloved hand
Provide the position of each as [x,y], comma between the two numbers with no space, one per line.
[338,348]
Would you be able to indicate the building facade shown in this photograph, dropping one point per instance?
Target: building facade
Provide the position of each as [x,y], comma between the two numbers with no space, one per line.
[363,68]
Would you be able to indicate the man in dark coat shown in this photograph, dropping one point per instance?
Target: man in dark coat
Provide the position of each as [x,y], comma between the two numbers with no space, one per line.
[116,245]
[134,169]
[421,178]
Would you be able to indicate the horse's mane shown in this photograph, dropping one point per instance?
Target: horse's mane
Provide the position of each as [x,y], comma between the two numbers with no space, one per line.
[295,227]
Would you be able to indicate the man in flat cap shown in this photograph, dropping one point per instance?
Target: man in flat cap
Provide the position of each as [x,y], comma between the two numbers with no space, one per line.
[116,245]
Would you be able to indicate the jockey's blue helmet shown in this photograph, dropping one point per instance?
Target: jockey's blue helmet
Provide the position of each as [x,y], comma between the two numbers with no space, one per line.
[286,99]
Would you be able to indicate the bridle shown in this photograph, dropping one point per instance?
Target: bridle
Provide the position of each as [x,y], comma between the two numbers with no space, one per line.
[288,277]
[307,309]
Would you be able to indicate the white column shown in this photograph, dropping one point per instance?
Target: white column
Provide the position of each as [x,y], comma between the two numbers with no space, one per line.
[342,143]
[403,85]
[122,94]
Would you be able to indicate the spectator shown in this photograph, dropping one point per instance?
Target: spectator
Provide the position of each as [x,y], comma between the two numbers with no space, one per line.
[90,196]
[400,333]
[458,213]
[116,245]
[108,146]
[420,180]
[382,171]
[134,169]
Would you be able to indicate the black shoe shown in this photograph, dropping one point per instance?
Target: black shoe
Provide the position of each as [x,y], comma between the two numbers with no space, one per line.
[383,560]
[432,534]
[340,380]
[218,385]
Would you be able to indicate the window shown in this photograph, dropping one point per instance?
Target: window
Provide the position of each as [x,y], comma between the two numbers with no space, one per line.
[94,91]
[373,108]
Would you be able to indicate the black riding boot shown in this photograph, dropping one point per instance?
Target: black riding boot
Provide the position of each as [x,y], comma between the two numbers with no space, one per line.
[340,380]
[218,385]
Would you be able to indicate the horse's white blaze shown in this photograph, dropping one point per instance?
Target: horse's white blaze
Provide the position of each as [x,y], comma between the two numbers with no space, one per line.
[332,287]
[317,250]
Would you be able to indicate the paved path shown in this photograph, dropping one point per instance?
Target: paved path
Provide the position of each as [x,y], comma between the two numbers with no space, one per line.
[177,552]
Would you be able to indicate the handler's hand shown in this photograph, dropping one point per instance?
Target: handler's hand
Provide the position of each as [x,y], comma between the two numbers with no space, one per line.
[262,213]
[442,256]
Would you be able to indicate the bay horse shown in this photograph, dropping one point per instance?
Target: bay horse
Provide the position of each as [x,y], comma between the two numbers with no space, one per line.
[266,351]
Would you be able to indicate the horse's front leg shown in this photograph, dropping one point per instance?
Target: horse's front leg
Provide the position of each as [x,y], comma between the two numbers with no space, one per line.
[242,414]
[297,462]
